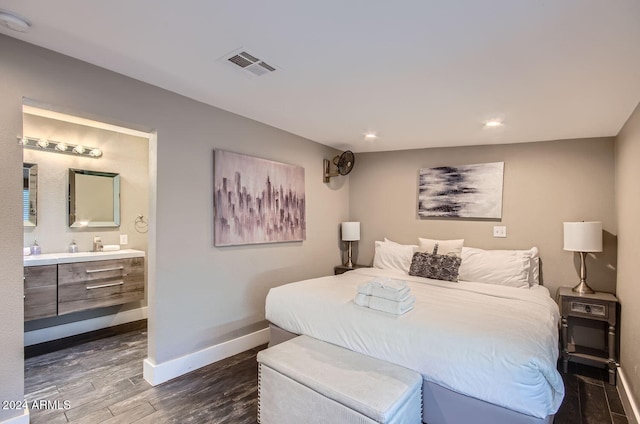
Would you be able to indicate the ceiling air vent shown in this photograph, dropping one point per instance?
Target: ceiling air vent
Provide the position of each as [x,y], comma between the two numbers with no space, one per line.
[249,63]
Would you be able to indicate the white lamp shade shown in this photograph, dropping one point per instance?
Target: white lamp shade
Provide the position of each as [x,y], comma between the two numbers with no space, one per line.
[583,236]
[350,231]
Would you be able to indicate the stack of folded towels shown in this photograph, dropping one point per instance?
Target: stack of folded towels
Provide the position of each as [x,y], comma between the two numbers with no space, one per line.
[387,295]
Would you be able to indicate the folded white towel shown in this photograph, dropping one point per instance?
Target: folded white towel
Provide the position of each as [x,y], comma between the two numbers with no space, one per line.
[110,247]
[367,288]
[392,284]
[26,251]
[384,293]
[386,288]
[385,305]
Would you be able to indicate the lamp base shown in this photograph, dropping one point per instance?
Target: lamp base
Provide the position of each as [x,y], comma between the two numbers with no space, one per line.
[349,262]
[582,288]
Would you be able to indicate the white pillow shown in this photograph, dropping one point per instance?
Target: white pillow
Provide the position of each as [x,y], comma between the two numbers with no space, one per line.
[445,247]
[502,267]
[386,240]
[393,256]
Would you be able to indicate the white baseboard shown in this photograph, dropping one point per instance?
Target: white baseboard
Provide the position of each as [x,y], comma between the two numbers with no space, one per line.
[71,329]
[159,373]
[628,402]
[20,419]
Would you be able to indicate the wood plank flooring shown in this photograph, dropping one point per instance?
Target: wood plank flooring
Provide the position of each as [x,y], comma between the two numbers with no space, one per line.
[102,382]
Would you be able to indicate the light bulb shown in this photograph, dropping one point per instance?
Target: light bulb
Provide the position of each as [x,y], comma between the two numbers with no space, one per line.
[493,124]
[43,144]
[78,149]
[61,147]
[96,153]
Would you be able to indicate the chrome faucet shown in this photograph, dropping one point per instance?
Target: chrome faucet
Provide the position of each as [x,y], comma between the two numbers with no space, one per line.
[97,244]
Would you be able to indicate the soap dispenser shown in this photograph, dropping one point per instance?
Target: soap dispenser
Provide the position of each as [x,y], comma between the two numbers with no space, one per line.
[35,248]
[73,247]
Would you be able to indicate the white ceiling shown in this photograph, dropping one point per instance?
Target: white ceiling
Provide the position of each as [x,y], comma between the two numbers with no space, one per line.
[420,73]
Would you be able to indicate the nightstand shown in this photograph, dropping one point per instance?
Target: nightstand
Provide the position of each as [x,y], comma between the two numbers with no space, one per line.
[600,307]
[341,269]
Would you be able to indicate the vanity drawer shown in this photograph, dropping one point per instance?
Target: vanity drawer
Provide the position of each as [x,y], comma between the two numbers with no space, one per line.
[96,284]
[40,292]
[39,276]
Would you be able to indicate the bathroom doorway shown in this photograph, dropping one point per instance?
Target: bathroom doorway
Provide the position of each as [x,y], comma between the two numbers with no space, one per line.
[61,141]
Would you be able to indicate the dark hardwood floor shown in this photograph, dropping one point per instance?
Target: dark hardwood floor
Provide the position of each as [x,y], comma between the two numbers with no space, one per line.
[102,382]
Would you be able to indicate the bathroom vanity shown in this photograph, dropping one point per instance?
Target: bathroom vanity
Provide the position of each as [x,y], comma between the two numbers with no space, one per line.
[61,283]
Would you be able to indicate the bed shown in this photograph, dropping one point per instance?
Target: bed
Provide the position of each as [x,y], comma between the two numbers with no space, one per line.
[487,352]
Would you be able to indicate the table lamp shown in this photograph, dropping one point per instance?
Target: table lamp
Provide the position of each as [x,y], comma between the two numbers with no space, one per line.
[583,237]
[350,233]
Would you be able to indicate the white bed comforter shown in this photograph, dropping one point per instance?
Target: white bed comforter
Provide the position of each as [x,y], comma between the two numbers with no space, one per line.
[494,343]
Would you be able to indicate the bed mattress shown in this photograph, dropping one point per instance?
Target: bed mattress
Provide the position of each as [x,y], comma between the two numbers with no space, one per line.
[493,343]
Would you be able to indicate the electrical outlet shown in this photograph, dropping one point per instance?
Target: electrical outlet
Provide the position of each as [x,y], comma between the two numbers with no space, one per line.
[500,231]
[124,239]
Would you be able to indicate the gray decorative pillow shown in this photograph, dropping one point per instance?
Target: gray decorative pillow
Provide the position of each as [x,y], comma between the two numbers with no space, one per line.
[438,267]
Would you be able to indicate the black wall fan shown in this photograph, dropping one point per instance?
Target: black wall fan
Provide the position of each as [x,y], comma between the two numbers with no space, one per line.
[343,163]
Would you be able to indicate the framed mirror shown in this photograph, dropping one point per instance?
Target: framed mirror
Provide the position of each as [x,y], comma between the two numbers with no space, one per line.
[94,199]
[30,194]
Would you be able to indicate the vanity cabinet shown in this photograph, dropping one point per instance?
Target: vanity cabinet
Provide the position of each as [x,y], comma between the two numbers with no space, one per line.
[95,284]
[40,291]
[62,283]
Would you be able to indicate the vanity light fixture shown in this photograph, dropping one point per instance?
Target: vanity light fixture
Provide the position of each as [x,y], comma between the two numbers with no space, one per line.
[59,147]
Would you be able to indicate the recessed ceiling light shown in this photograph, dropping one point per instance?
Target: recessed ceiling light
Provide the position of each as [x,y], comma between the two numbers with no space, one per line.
[14,21]
[493,124]
[370,136]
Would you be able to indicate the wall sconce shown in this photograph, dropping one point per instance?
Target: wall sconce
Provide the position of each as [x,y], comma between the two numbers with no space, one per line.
[59,147]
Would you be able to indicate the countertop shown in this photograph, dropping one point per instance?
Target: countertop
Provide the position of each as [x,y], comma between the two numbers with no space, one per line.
[65,258]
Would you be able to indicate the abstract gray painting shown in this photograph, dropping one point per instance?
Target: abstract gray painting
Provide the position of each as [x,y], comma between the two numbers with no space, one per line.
[257,200]
[467,191]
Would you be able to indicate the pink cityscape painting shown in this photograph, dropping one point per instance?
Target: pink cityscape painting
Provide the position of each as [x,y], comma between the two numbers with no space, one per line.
[257,200]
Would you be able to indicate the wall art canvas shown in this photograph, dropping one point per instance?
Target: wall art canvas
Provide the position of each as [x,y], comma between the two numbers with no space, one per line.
[257,200]
[467,191]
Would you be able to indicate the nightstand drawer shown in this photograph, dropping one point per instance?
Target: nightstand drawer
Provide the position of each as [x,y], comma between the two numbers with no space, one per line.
[589,309]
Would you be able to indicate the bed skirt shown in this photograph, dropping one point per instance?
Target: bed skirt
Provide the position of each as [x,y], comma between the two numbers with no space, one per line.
[444,406]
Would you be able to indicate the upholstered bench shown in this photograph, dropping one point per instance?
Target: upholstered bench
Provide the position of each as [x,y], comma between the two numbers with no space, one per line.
[305,380]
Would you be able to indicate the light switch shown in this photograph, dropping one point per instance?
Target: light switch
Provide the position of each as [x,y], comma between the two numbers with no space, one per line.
[500,231]
[124,239]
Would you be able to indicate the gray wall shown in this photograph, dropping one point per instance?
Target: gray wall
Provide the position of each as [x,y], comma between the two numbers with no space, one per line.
[11,290]
[545,184]
[628,211]
[199,295]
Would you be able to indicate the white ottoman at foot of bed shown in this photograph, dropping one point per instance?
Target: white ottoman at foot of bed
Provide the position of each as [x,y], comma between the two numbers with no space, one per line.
[305,380]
